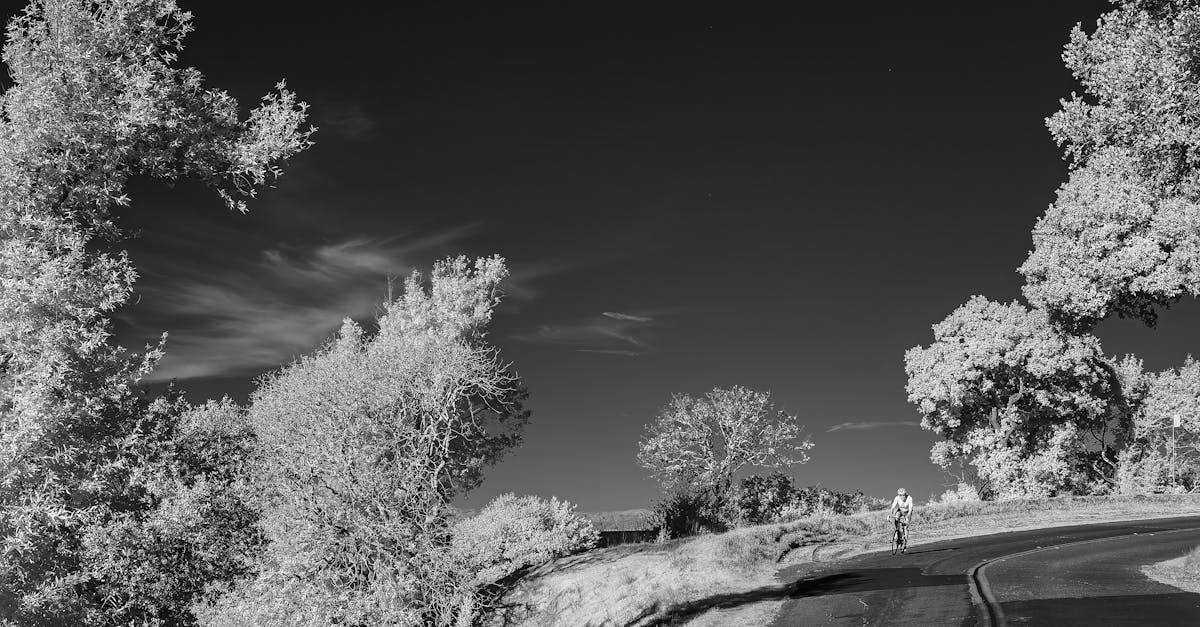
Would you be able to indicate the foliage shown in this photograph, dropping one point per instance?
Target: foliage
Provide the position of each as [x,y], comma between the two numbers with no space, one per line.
[774,498]
[362,444]
[687,511]
[511,535]
[961,493]
[703,442]
[95,98]
[1016,396]
[170,519]
[760,499]
[198,530]
[1122,236]
[1111,244]
[1147,465]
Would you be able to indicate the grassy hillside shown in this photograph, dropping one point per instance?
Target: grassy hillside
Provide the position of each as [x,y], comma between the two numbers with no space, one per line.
[691,578]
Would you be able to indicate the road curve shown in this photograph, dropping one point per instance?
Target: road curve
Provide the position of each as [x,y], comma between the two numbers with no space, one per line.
[1080,575]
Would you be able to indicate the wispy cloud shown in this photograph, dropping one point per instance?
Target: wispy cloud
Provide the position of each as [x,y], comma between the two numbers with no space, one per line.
[626,317]
[244,318]
[609,333]
[878,424]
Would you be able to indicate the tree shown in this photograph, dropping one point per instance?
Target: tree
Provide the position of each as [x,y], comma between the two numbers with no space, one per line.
[95,99]
[703,442]
[1175,392]
[1018,398]
[362,444]
[195,531]
[1123,238]
[1123,235]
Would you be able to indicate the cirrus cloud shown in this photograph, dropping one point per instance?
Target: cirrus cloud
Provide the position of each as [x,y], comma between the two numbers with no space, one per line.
[866,425]
[609,333]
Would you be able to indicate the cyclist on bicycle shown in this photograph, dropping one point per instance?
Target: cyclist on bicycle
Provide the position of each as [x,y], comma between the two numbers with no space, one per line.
[902,507]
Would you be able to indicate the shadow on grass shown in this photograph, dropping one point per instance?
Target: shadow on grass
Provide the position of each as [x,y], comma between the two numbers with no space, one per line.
[862,580]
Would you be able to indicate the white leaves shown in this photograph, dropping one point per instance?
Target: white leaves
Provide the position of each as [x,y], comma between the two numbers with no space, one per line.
[513,532]
[95,99]
[1000,382]
[705,441]
[363,442]
[1124,236]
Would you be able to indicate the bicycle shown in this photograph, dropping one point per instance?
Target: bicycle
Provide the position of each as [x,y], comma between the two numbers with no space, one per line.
[900,534]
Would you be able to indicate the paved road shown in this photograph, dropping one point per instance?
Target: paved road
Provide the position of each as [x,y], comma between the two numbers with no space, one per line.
[1085,575]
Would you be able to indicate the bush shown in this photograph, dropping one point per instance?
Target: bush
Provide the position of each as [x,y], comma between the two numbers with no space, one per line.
[962,493]
[516,532]
[774,498]
[760,499]
[1141,470]
[688,511]
[818,500]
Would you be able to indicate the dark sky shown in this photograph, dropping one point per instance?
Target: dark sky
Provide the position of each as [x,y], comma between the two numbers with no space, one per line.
[689,195]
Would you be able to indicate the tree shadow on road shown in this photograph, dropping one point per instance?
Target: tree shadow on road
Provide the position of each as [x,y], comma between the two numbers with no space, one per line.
[860,580]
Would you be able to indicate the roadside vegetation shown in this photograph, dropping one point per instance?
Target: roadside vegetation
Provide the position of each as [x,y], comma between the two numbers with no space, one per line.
[327,498]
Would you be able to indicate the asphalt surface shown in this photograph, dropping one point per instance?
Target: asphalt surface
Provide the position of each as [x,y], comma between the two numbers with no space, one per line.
[1081,575]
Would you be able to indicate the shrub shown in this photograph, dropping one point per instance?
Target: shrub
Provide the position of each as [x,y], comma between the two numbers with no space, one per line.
[1140,470]
[774,498]
[516,532]
[817,500]
[688,511]
[962,493]
[761,499]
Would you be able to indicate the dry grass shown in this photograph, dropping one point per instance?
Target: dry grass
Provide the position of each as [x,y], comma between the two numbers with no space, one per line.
[1181,572]
[693,578]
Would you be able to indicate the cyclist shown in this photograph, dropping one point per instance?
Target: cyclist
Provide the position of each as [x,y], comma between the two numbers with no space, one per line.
[902,507]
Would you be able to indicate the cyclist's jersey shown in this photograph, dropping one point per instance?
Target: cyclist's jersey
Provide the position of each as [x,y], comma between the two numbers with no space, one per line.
[902,504]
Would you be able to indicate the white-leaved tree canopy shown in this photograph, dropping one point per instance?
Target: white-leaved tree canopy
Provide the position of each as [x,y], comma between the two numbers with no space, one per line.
[1123,235]
[363,443]
[1016,398]
[1024,394]
[702,442]
[96,97]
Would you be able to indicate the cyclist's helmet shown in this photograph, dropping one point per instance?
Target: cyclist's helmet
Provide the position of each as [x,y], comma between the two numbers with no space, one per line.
[901,492]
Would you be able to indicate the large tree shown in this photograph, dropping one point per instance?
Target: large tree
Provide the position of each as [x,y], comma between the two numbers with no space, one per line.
[363,443]
[1018,399]
[1123,235]
[95,98]
[702,442]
